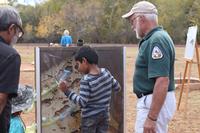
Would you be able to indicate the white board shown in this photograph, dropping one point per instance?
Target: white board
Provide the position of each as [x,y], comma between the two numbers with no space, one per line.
[190,42]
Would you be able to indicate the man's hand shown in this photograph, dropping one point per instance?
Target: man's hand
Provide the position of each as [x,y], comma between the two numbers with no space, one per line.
[63,86]
[149,126]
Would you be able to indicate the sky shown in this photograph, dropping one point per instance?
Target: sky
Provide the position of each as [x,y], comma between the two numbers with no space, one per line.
[29,2]
[25,2]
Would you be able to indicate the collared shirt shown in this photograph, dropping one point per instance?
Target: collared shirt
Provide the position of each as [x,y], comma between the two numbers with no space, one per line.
[9,79]
[155,59]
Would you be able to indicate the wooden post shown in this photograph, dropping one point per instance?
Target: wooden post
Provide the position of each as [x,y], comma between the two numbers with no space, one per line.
[182,85]
[197,55]
[188,84]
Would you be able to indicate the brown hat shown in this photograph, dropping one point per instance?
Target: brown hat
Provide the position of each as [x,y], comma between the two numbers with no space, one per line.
[142,7]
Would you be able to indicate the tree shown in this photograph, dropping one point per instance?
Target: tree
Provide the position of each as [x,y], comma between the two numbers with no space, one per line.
[194,15]
[100,21]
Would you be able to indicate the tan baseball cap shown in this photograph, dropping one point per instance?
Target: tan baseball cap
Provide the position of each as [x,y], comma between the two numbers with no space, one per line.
[141,7]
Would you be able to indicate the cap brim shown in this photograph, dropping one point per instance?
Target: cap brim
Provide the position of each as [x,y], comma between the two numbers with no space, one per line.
[127,15]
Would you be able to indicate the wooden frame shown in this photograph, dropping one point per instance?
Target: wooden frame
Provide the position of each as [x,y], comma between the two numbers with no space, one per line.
[48,59]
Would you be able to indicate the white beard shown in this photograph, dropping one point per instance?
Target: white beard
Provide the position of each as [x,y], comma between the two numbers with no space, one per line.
[137,30]
[14,40]
[137,35]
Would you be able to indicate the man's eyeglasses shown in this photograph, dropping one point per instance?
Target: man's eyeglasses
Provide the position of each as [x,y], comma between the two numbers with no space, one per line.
[131,20]
[19,30]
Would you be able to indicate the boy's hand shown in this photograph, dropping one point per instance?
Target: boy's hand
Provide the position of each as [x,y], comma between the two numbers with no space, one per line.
[63,86]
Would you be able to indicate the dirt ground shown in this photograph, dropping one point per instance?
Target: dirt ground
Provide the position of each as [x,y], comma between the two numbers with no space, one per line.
[184,121]
[27,77]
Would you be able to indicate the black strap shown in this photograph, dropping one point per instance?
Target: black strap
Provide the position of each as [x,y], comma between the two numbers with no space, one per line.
[139,95]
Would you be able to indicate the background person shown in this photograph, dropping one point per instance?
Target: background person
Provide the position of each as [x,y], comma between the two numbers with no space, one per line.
[66,39]
[80,42]
[22,102]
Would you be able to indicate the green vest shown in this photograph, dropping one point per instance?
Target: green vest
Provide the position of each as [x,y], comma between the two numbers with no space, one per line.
[155,59]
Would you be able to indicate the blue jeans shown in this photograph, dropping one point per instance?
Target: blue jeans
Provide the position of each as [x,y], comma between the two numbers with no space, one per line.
[95,124]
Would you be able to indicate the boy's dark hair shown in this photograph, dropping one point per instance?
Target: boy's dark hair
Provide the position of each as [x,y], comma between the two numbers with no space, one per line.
[88,53]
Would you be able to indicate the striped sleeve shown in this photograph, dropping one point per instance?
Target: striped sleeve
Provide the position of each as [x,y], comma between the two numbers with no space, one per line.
[83,97]
[115,84]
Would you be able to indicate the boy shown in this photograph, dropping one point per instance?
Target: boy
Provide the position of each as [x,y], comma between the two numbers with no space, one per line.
[95,91]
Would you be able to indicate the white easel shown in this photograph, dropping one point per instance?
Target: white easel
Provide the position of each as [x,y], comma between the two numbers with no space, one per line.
[191,44]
